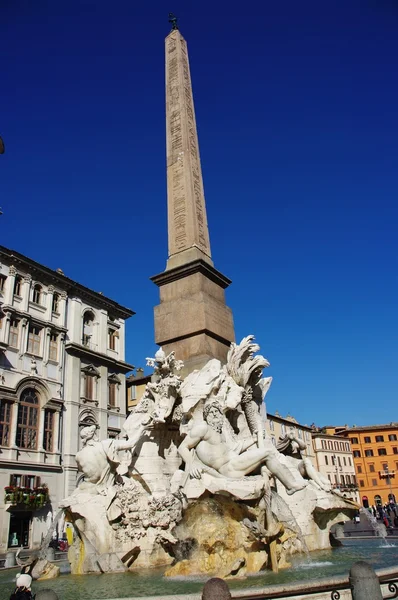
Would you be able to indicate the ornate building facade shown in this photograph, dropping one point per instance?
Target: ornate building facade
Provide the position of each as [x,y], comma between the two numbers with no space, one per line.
[62,366]
[335,461]
[375,451]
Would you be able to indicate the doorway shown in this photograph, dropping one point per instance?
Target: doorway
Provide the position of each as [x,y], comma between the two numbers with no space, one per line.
[19,532]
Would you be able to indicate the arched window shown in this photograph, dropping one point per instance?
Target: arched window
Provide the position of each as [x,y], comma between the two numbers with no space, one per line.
[37,292]
[55,305]
[88,322]
[28,420]
[18,285]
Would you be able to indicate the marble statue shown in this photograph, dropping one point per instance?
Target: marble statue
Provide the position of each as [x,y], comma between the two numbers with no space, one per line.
[196,483]
[292,446]
[227,457]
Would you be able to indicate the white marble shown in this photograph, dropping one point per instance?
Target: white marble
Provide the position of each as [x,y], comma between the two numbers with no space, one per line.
[186,440]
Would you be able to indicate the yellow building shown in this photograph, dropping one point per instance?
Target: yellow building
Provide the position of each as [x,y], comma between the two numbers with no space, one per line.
[375,452]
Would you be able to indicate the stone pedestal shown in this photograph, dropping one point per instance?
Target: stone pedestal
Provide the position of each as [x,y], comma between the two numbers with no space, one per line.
[192,318]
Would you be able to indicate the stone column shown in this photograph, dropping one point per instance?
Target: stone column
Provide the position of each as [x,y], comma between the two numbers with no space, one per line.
[62,307]
[14,423]
[49,302]
[27,282]
[10,285]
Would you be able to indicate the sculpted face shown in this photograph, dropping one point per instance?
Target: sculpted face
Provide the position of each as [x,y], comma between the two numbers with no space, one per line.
[214,417]
[234,395]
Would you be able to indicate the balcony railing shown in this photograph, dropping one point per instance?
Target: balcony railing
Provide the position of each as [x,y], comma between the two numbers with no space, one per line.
[34,498]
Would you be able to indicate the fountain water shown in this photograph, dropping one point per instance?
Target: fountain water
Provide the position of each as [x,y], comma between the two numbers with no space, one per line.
[378,528]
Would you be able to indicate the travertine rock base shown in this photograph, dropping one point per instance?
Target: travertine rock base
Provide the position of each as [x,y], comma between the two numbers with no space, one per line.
[221,544]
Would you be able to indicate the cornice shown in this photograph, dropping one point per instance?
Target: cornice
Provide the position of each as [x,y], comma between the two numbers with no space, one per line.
[97,357]
[17,464]
[196,266]
[22,314]
[49,276]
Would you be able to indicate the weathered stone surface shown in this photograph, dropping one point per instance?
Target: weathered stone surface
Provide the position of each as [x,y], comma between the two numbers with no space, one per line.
[44,570]
[223,545]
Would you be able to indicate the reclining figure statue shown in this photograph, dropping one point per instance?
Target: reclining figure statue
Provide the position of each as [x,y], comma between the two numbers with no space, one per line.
[233,460]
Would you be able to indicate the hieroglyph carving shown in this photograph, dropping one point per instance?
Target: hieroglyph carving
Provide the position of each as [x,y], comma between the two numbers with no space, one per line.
[187,211]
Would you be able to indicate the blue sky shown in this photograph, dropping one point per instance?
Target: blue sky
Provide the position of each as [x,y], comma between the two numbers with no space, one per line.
[296,105]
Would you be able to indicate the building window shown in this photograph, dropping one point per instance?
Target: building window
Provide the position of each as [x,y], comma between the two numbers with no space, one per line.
[368,452]
[361,483]
[339,461]
[2,282]
[333,460]
[382,452]
[112,337]
[326,460]
[330,445]
[34,340]
[359,469]
[300,434]
[55,305]
[28,420]
[379,438]
[88,322]
[5,422]
[344,461]
[342,480]
[48,439]
[372,468]
[271,425]
[354,440]
[385,467]
[283,428]
[323,444]
[367,439]
[392,437]
[18,285]
[347,447]
[395,450]
[112,393]
[53,350]
[273,440]
[349,461]
[13,336]
[357,454]
[37,293]
[89,387]
[374,481]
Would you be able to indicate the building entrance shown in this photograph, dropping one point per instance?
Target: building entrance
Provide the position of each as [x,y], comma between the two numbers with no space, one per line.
[19,532]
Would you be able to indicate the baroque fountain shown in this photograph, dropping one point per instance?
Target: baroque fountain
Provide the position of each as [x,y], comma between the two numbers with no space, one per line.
[196,485]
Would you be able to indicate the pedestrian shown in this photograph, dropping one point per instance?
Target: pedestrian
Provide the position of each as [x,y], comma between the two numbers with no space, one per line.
[23,590]
[216,589]
[46,594]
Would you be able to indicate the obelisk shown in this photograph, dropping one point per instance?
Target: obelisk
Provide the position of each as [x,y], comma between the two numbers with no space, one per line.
[192,317]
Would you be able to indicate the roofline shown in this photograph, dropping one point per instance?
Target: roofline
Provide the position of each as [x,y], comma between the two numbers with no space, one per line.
[292,423]
[69,285]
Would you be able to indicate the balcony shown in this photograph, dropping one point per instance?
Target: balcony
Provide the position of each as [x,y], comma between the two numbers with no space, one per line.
[345,487]
[27,498]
